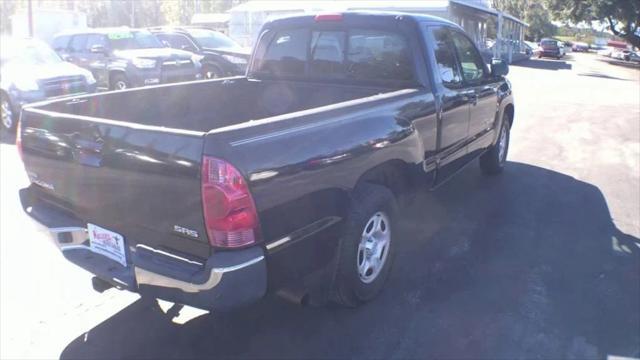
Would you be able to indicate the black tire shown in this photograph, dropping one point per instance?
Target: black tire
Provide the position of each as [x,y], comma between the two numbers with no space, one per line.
[118,80]
[369,200]
[491,162]
[211,71]
[7,109]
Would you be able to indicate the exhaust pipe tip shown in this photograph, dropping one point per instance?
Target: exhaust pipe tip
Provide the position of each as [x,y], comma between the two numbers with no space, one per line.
[298,297]
[100,285]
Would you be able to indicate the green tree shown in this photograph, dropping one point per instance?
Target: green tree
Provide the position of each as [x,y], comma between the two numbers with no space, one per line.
[623,16]
[540,26]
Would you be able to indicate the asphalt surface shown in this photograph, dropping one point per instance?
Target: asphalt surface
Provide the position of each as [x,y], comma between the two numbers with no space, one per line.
[540,262]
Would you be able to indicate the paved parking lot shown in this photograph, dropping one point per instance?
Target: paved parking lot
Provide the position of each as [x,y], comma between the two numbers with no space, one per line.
[541,262]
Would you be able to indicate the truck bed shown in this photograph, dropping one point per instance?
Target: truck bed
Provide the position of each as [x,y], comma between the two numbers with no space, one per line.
[130,161]
[207,105]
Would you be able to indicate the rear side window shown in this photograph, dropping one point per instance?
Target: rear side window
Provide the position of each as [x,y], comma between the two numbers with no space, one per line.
[359,54]
[445,58]
[77,43]
[177,41]
[286,54]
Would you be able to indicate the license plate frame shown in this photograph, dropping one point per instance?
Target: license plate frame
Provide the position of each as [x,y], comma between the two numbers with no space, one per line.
[107,243]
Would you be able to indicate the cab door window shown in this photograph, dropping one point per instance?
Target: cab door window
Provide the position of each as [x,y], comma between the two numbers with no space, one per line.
[471,63]
[445,56]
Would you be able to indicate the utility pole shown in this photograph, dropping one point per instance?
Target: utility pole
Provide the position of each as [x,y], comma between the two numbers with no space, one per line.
[133,13]
[30,18]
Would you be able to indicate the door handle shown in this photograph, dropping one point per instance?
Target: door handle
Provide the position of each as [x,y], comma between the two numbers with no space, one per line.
[473,99]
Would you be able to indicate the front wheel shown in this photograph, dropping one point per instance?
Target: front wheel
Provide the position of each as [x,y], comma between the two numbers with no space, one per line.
[366,246]
[492,162]
[119,82]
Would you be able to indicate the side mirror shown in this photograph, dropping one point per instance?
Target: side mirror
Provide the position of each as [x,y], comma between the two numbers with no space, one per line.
[499,67]
[98,49]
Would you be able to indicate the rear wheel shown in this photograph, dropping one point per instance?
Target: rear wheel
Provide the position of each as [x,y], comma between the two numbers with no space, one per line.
[8,116]
[366,247]
[492,162]
[119,82]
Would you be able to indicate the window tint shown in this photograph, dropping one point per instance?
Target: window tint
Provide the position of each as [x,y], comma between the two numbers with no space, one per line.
[470,61]
[77,43]
[378,55]
[445,57]
[212,39]
[61,42]
[95,39]
[177,41]
[327,53]
[370,55]
[286,54]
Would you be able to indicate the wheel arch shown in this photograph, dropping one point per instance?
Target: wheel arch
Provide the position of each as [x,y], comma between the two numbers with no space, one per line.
[395,174]
[509,110]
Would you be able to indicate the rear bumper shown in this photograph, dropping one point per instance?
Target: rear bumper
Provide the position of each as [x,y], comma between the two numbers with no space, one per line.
[552,53]
[226,280]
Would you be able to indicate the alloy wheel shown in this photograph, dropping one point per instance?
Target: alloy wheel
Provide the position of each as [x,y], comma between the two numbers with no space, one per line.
[374,247]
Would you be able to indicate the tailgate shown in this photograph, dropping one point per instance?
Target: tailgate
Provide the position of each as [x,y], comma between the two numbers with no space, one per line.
[142,182]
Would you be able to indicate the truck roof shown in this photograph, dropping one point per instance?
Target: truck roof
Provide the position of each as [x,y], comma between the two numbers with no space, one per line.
[376,17]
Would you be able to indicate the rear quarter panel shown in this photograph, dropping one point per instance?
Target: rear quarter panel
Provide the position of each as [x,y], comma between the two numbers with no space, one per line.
[302,167]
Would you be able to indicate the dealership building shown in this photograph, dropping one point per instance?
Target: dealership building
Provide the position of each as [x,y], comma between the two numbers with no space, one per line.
[476,17]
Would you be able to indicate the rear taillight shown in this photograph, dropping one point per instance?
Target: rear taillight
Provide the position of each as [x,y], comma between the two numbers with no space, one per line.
[229,211]
[328,17]
[19,138]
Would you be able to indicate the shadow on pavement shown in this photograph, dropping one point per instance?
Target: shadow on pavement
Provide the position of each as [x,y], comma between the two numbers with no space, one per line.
[544,64]
[603,76]
[524,265]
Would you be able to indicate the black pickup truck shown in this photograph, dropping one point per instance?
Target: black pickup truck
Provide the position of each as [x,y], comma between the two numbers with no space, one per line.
[214,193]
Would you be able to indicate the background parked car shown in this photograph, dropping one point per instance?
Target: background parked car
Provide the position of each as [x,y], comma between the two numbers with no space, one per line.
[551,48]
[621,54]
[634,57]
[120,58]
[607,51]
[222,56]
[580,47]
[30,71]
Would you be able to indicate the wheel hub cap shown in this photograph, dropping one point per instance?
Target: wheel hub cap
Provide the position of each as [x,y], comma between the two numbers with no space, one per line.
[373,247]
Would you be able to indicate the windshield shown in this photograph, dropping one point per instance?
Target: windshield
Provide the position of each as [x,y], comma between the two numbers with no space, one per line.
[127,40]
[29,53]
[212,39]
[549,43]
